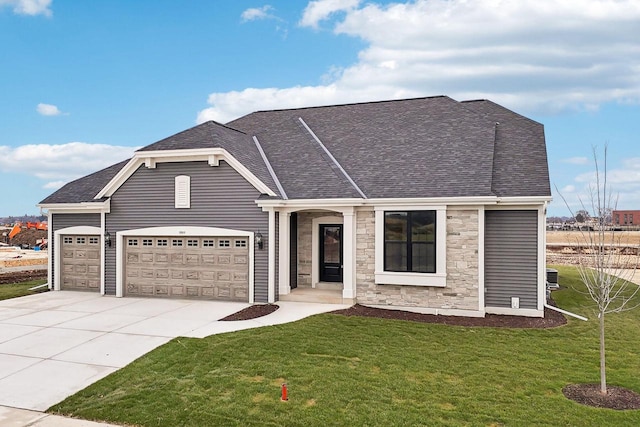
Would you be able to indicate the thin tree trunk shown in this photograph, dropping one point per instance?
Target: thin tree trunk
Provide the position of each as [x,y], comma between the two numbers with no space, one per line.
[603,372]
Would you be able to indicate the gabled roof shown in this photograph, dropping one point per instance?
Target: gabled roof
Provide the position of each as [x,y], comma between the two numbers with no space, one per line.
[412,148]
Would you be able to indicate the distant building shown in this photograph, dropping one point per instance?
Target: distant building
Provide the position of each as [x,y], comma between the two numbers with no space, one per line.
[626,217]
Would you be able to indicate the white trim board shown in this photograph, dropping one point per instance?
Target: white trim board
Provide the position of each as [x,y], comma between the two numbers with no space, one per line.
[151,158]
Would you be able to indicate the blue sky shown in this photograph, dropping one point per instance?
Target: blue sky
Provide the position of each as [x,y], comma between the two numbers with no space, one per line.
[83,84]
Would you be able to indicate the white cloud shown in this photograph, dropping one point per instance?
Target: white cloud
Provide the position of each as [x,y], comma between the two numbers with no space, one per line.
[54,185]
[29,7]
[61,163]
[257,13]
[568,189]
[535,56]
[48,110]
[576,160]
[320,10]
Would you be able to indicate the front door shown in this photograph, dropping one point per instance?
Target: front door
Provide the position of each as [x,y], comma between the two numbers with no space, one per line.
[331,253]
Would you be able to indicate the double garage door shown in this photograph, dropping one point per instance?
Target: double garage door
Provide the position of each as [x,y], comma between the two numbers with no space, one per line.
[80,263]
[194,267]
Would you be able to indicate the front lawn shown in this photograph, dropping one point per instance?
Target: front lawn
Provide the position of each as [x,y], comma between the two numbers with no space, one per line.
[15,290]
[351,371]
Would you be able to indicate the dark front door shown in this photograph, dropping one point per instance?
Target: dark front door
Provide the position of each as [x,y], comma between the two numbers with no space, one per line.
[331,253]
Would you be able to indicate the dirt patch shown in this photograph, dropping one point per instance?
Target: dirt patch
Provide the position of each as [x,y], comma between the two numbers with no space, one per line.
[551,318]
[621,237]
[22,276]
[618,398]
[253,312]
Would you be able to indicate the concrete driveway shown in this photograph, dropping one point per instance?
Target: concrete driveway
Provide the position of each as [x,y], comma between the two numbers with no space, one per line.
[54,344]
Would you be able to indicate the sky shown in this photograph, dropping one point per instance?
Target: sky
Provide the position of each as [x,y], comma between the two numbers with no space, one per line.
[83,84]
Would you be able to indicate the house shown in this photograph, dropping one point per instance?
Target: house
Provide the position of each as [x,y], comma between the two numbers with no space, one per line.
[625,217]
[429,204]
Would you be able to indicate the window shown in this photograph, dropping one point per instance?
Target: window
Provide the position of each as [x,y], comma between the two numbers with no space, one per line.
[224,243]
[94,240]
[241,243]
[132,242]
[147,242]
[162,242]
[208,243]
[68,240]
[410,241]
[411,245]
[192,243]
[625,219]
[176,242]
[81,240]
[630,218]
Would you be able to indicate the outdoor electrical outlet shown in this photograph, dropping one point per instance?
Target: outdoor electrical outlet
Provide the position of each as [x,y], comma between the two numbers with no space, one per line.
[515,302]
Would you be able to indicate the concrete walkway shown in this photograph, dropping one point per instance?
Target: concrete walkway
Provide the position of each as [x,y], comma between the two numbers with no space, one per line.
[54,344]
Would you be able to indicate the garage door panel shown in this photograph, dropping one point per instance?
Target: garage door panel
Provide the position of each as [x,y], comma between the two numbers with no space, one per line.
[80,269]
[204,267]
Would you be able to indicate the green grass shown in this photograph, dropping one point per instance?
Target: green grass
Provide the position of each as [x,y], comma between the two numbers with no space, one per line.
[351,371]
[14,290]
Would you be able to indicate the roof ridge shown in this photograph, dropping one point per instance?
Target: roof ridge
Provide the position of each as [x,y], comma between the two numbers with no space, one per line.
[347,104]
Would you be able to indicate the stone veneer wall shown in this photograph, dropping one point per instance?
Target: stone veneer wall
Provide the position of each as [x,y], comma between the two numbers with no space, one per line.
[461,291]
[305,222]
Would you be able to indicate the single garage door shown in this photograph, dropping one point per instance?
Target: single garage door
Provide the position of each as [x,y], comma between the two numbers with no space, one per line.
[80,263]
[195,267]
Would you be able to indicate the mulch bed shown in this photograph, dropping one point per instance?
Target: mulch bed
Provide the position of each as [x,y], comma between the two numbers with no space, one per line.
[22,276]
[252,312]
[551,318]
[618,398]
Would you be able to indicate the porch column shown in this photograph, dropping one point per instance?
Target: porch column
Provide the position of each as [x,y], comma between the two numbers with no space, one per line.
[272,256]
[349,247]
[284,287]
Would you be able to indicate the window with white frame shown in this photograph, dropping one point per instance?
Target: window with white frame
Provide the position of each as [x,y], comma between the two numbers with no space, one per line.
[240,243]
[67,240]
[176,242]
[162,242]
[132,242]
[224,243]
[410,246]
[81,240]
[94,240]
[208,243]
[192,243]
[147,242]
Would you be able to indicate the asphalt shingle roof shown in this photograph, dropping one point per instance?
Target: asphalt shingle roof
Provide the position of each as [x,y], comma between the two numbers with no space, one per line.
[424,147]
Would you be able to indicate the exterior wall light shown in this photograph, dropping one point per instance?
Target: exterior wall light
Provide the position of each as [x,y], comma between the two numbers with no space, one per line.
[107,239]
[259,241]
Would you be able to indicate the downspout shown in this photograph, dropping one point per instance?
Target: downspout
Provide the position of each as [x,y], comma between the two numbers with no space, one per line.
[568,313]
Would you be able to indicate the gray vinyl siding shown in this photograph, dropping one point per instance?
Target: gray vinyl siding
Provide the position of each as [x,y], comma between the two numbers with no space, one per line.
[511,258]
[220,197]
[60,221]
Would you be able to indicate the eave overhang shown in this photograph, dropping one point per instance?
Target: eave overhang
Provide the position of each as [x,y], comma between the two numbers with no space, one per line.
[210,155]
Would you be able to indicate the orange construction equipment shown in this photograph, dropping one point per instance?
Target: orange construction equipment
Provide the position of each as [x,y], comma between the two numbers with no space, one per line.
[15,230]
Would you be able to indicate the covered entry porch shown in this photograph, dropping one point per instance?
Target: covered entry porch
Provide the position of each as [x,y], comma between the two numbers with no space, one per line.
[316,254]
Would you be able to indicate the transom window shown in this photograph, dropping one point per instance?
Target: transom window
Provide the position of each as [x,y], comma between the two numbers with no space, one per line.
[410,241]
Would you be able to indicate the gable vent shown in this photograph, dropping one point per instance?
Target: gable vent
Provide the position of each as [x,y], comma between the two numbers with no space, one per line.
[183,192]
